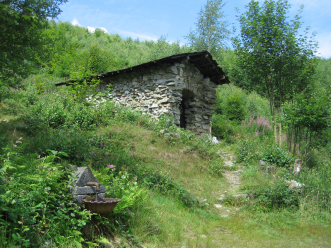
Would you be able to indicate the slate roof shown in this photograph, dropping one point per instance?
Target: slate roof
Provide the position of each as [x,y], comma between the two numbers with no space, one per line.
[202,60]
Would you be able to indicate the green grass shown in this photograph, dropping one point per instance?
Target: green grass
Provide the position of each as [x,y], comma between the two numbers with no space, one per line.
[183,168]
[165,222]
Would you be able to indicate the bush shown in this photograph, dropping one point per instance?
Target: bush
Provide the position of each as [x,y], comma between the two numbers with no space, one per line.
[277,196]
[35,202]
[234,107]
[73,142]
[277,156]
[246,152]
[231,102]
[221,127]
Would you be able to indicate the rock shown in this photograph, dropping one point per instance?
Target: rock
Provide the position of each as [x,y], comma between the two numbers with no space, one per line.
[294,184]
[222,197]
[225,216]
[261,163]
[270,169]
[218,206]
[214,141]
[241,196]
[238,171]
[174,135]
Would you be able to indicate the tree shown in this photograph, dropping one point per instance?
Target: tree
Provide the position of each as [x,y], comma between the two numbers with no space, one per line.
[21,23]
[211,30]
[307,116]
[275,58]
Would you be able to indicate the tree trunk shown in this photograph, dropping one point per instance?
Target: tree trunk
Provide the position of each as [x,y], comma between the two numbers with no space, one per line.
[280,134]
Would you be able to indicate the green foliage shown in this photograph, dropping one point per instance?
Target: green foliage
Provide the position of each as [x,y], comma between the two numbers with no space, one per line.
[75,143]
[275,60]
[234,108]
[277,156]
[215,168]
[211,29]
[257,106]
[36,204]
[4,92]
[317,181]
[277,196]
[309,111]
[166,185]
[246,152]
[22,23]
[222,127]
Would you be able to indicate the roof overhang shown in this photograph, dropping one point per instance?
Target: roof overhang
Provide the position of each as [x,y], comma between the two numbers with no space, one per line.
[202,60]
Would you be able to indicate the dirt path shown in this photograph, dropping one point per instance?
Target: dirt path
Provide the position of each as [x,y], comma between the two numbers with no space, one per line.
[233,181]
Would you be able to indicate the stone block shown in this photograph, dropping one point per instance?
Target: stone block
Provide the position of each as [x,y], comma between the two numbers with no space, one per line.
[88,190]
[79,198]
[83,175]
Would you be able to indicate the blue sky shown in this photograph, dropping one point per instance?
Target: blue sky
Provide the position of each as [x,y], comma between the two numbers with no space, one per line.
[151,19]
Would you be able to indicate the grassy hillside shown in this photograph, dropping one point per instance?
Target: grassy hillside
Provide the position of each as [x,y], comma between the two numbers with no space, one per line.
[177,190]
[170,185]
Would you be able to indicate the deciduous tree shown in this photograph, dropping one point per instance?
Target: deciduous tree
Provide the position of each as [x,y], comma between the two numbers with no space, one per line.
[277,60]
[211,31]
[21,24]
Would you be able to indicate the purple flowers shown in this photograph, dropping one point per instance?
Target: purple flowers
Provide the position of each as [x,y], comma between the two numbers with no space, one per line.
[110,165]
[131,154]
[259,122]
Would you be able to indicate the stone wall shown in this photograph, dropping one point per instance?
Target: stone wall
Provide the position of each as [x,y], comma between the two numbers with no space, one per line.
[178,89]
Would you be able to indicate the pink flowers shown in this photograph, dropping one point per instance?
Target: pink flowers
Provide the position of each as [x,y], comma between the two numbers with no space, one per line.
[110,165]
[131,154]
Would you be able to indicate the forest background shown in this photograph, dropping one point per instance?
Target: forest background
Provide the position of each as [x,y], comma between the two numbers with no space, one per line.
[45,129]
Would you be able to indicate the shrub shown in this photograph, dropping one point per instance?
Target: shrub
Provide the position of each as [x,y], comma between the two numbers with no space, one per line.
[231,102]
[35,202]
[234,107]
[73,142]
[246,152]
[221,127]
[278,156]
[277,196]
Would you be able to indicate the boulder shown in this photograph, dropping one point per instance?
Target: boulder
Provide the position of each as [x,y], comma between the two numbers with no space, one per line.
[294,184]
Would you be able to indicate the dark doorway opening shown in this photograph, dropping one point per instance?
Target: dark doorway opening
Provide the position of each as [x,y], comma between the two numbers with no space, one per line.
[187,96]
[182,114]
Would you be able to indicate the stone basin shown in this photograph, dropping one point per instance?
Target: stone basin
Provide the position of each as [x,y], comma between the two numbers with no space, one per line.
[104,206]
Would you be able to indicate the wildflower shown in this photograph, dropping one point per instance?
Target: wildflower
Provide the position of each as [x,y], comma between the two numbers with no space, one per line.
[256,134]
[117,131]
[131,154]
[101,144]
[110,165]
